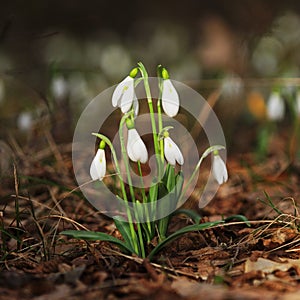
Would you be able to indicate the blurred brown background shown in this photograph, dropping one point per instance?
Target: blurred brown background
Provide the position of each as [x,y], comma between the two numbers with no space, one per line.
[55,56]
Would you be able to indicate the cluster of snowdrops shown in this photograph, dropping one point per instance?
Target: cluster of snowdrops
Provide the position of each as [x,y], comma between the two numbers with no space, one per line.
[140,226]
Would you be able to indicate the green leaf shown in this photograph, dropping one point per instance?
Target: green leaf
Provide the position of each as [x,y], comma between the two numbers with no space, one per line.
[171,194]
[171,179]
[238,217]
[97,236]
[124,229]
[4,232]
[162,190]
[190,213]
[164,179]
[179,179]
[180,232]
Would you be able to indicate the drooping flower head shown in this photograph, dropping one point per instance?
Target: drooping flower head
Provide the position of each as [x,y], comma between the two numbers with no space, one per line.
[170,98]
[98,165]
[171,150]
[297,105]
[136,148]
[219,169]
[124,94]
[275,107]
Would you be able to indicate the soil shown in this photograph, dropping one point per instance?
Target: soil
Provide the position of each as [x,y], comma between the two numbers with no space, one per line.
[40,198]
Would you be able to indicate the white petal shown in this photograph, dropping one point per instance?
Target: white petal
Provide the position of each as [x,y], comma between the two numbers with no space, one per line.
[275,107]
[172,152]
[98,165]
[298,103]
[219,169]
[123,94]
[116,96]
[127,98]
[136,148]
[170,98]
[135,105]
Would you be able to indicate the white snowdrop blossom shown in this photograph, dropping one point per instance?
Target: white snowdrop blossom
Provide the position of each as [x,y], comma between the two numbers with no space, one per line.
[275,107]
[219,169]
[170,98]
[172,152]
[98,165]
[60,88]
[124,94]
[298,103]
[136,148]
[25,121]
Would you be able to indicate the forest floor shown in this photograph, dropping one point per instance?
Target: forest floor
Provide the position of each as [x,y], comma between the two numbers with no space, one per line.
[40,198]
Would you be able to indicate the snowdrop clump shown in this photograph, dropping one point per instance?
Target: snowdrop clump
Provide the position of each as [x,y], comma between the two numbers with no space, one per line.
[169,184]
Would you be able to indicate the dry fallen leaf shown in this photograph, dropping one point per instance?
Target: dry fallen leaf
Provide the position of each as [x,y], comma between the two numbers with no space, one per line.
[268,266]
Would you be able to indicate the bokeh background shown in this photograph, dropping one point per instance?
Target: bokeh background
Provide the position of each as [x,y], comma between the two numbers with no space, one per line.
[55,56]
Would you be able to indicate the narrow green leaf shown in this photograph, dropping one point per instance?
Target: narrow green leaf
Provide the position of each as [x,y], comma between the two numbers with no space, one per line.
[10,235]
[162,190]
[97,236]
[179,179]
[164,179]
[238,217]
[171,179]
[178,233]
[124,229]
[190,213]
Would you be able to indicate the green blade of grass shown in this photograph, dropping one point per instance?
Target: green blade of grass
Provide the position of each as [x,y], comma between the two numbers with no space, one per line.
[97,236]
[239,218]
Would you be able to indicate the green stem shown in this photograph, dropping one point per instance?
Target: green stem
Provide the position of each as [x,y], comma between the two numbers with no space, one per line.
[160,122]
[132,231]
[204,155]
[145,201]
[152,117]
[126,162]
[142,182]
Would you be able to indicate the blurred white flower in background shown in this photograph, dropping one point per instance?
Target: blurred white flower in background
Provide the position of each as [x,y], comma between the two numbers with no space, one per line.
[275,107]
[25,121]
[298,103]
[285,29]
[267,55]
[232,85]
[59,88]
[114,60]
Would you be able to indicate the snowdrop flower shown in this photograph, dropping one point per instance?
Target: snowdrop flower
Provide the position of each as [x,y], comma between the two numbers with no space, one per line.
[170,98]
[298,103]
[25,121]
[172,152]
[136,148]
[124,95]
[60,88]
[98,165]
[219,169]
[275,107]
